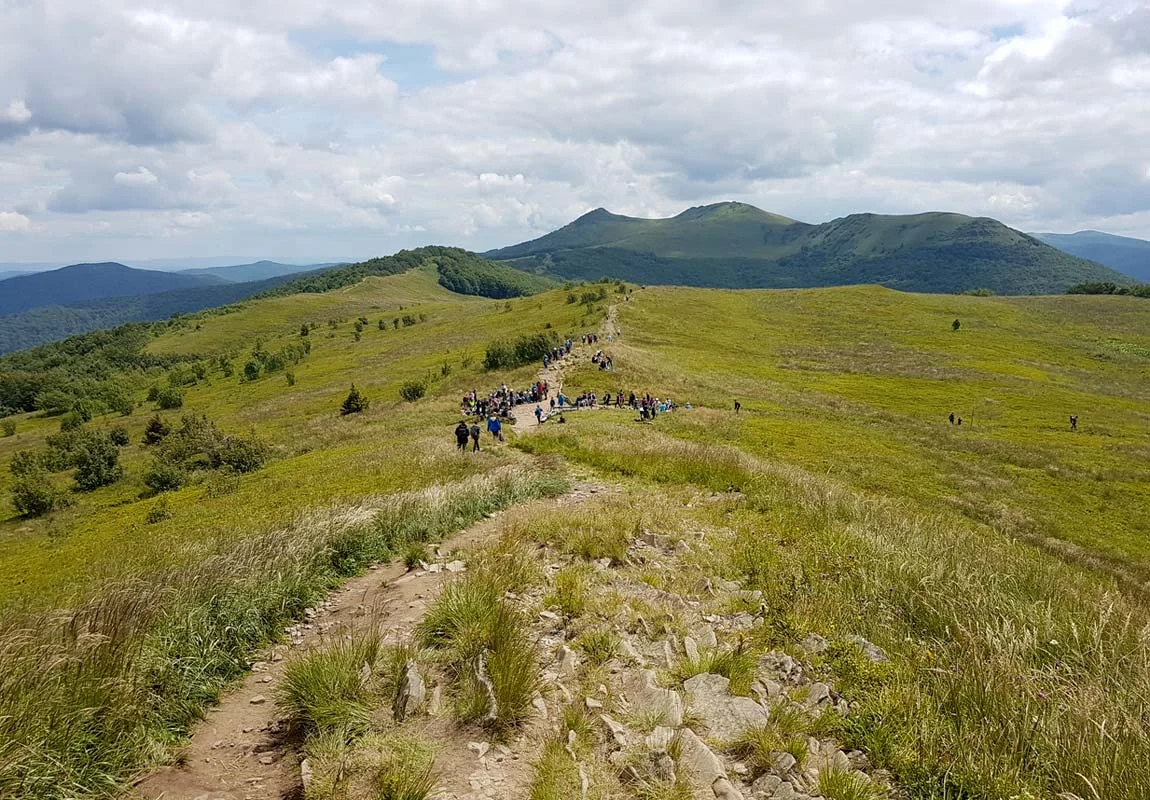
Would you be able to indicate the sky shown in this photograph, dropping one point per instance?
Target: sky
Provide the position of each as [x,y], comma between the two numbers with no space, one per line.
[332,129]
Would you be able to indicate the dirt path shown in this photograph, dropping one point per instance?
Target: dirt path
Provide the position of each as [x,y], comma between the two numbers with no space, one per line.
[241,752]
[554,375]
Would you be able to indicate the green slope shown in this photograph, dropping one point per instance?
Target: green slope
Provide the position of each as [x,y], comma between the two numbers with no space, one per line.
[734,245]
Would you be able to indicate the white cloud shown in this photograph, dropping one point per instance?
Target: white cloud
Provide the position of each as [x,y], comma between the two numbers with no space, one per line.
[11,222]
[141,177]
[306,125]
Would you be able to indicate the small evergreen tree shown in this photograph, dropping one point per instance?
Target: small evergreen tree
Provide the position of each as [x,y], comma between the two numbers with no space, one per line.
[354,403]
[156,430]
[955,325]
[413,390]
[303,330]
[251,371]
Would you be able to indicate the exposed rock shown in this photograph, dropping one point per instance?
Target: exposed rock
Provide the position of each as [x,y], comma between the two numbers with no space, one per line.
[725,716]
[258,700]
[787,791]
[766,785]
[663,767]
[435,701]
[660,739]
[411,695]
[455,566]
[568,661]
[783,763]
[619,733]
[814,644]
[818,694]
[305,775]
[691,648]
[592,703]
[540,706]
[705,636]
[669,654]
[628,650]
[479,748]
[703,766]
[871,651]
[725,790]
[664,706]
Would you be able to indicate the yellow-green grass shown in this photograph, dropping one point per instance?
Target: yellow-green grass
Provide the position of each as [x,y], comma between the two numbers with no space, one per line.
[858,382]
[323,459]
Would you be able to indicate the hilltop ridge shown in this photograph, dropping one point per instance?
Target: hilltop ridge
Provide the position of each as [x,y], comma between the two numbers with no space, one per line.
[737,245]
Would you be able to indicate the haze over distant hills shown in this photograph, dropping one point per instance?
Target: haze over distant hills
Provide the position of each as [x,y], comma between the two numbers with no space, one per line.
[735,245]
[259,271]
[45,306]
[1123,253]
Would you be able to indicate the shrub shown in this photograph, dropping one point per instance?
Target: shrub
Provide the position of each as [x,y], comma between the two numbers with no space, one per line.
[25,462]
[156,430]
[164,476]
[408,320]
[414,554]
[251,371]
[842,784]
[97,464]
[524,350]
[239,454]
[119,436]
[72,421]
[955,325]
[289,376]
[413,390]
[354,403]
[160,511]
[7,427]
[33,495]
[170,398]
[303,330]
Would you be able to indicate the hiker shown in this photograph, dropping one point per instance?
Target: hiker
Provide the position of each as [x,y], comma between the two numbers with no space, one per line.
[960,421]
[738,406]
[538,415]
[951,417]
[495,426]
[461,434]
[474,437]
[1074,422]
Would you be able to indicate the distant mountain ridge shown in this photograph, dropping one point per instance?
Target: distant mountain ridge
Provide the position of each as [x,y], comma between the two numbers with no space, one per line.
[736,245]
[1128,255]
[258,271]
[84,282]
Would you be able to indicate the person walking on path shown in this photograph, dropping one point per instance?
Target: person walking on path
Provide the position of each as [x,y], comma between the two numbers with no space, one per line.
[474,437]
[495,426]
[538,415]
[461,434]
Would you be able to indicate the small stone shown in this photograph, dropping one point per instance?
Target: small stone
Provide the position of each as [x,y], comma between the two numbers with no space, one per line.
[819,693]
[630,652]
[550,616]
[619,733]
[723,789]
[305,774]
[248,730]
[455,566]
[540,706]
[479,748]
[592,703]
[783,763]
[766,785]
[435,701]
[814,644]
[258,700]
[691,648]
[568,661]
[267,759]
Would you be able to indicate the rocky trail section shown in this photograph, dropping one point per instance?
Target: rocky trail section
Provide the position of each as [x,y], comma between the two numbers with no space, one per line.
[243,749]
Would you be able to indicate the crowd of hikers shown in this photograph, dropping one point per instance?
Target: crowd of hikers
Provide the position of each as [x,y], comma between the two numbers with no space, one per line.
[500,402]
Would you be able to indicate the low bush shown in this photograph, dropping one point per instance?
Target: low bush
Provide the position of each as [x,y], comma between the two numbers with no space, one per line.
[170,398]
[97,464]
[33,495]
[7,427]
[156,430]
[164,475]
[413,390]
[159,511]
[119,436]
[524,350]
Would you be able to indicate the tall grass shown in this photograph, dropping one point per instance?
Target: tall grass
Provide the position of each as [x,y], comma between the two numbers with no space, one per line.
[332,688]
[92,694]
[1012,671]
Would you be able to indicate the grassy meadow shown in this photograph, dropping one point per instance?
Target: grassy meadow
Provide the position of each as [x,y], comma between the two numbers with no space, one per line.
[1002,564]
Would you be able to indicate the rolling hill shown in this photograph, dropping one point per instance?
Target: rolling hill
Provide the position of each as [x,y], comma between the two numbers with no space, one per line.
[735,245]
[258,271]
[1127,255]
[83,282]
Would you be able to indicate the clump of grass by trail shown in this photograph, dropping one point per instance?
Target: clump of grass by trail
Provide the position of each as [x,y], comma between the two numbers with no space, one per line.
[736,665]
[1011,671]
[487,647]
[389,766]
[151,653]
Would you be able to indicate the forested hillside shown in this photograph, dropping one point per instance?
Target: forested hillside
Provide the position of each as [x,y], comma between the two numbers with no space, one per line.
[733,245]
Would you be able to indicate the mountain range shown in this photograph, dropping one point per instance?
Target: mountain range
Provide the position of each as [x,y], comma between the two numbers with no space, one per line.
[1123,253]
[738,246]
